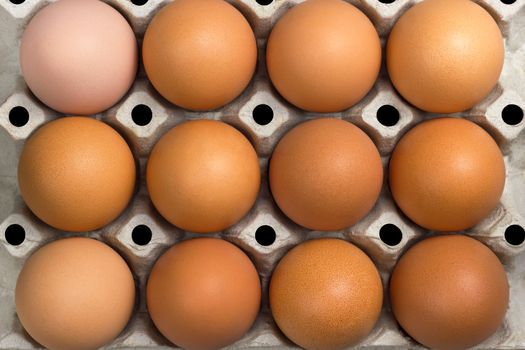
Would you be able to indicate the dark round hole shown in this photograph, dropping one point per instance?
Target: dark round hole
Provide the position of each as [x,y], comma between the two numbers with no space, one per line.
[18,116]
[262,114]
[265,235]
[141,115]
[386,1]
[141,235]
[264,2]
[17,2]
[139,2]
[388,115]
[512,114]
[15,234]
[508,2]
[390,234]
[515,234]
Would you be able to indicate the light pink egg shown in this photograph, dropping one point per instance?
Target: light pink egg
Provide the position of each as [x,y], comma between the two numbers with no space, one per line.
[79,56]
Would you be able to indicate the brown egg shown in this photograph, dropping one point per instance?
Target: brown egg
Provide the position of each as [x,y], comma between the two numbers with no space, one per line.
[75,293]
[203,176]
[203,293]
[326,174]
[323,55]
[199,54]
[449,292]
[445,56]
[447,174]
[326,294]
[76,174]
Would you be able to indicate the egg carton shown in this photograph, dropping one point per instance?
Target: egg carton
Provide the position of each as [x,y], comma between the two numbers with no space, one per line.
[141,235]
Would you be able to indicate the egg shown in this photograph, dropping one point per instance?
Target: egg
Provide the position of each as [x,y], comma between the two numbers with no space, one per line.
[323,55]
[203,293]
[76,174]
[74,293]
[203,176]
[199,54]
[447,174]
[449,292]
[325,174]
[326,294]
[78,57]
[445,56]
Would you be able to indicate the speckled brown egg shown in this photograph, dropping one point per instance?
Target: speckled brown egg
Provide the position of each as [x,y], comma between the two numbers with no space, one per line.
[447,174]
[326,294]
[203,176]
[75,294]
[449,292]
[199,54]
[325,174]
[323,55]
[445,56]
[203,293]
[76,174]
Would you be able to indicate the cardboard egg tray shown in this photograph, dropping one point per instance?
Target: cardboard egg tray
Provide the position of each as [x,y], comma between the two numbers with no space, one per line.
[254,234]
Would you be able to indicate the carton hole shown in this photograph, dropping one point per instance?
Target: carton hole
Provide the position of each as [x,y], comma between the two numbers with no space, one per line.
[141,235]
[387,115]
[512,114]
[390,234]
[265,235]
[141,115]
[262,114]
[18,116]
[139,2]
[15,234]
[515,235]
